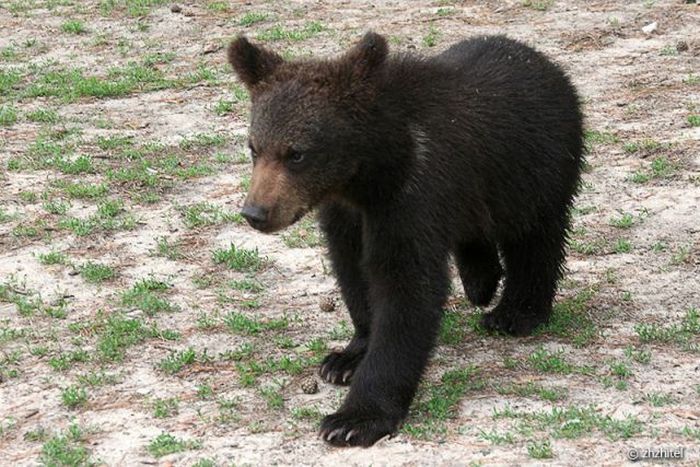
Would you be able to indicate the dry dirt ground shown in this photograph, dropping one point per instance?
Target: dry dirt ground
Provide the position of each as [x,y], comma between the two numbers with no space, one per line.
[141,322]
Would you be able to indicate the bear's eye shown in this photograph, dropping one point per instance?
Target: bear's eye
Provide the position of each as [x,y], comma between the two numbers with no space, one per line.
[295,157]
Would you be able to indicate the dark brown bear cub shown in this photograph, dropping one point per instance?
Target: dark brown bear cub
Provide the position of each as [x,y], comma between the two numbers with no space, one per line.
[409,159]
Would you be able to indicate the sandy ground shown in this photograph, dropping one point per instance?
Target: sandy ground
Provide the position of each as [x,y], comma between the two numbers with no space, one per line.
[641,91]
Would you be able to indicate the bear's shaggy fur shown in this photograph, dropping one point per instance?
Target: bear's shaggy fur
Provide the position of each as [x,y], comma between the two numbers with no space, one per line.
[410,159]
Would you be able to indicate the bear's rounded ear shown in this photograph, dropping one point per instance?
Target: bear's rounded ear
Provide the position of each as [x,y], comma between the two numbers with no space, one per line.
[252,63]
[368,54]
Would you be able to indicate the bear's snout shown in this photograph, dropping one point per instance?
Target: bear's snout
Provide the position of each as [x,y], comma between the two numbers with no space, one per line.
[256,216]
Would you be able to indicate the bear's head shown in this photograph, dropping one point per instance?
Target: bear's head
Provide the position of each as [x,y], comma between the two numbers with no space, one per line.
[308,128]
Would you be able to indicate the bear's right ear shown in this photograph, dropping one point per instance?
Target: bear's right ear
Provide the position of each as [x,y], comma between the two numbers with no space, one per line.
[367,55]
[252,63]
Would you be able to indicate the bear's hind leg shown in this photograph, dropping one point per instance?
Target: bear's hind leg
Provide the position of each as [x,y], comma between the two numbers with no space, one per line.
[343,229]
[533,266]
[479,269]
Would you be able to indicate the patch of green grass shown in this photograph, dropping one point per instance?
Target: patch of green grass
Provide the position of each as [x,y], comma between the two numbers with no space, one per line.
[669,50]
[166,443]
[247,285]
[74,26]
[570,319]
[4,216]
[164,408]
[8,53]
[540,449]
[620,370]
[109,143]
[96,379]
[303,235]
[144,295]
[661,168]
[581,245]
[554,362]
[65,450]
[117,334]
[640,356]
[205,391]
[622,245]
[224,107]
[52,257]
[573,422]
[539,5]
[646,145]
[218,6]
[595,137]
[273,397]
[250,370]
[107,218]
[202,140]
[623,222]
[532,389]
[43,116]
[65,360]
[241,324]
[176,361]
[251,18]
[694,120]
[682,333]
[658,399]
[239,258]
[432,37]
[496,438]
[436,403]
[680,255]
[204,214]
[96,273]
[548,362]
[72,84]
[168,249]
[445,11]
[454,327]
[79,165]
[9,78]
[8,115]
[83,190]
[74,396]
[279,33]
[691,432]
[204,463]
[306,413]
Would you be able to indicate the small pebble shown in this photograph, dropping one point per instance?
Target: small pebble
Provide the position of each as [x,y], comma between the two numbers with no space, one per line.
[681,46]
[175,8]
[649,28]
[309,386]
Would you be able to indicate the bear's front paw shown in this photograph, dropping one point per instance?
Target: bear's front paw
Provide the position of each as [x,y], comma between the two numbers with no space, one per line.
[338,367]
[503,321]
[351,428]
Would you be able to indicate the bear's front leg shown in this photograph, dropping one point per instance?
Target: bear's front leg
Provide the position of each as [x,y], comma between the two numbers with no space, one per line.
[408,287]
[343,230]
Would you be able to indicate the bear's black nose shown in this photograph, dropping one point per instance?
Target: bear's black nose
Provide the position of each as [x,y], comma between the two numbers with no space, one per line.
[255,215]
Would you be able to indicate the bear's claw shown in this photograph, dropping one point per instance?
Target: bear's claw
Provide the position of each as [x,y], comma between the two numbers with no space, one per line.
[338,367]
[347,428]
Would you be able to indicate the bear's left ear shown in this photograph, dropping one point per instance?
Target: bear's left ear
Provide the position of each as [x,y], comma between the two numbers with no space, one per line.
[367,55]
[252,63]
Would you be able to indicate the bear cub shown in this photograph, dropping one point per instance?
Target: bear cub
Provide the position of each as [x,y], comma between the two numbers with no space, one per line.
[475,152]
